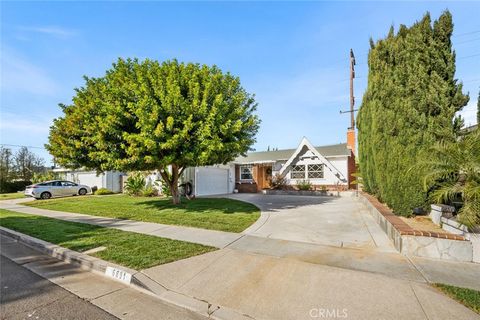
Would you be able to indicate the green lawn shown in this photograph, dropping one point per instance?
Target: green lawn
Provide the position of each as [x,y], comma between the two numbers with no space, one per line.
[207,213]
[129,249]
[13,195]
[468,297]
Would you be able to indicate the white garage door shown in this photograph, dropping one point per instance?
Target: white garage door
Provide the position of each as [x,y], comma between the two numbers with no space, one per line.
[211,181]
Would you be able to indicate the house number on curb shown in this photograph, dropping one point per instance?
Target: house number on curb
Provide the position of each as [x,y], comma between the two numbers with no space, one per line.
[118,274]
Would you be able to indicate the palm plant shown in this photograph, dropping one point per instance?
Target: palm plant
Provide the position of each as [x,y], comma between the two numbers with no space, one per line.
[135,184]
[452,171]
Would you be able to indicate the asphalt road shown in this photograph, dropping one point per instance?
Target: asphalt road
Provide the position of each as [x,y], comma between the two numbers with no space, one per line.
[26,295]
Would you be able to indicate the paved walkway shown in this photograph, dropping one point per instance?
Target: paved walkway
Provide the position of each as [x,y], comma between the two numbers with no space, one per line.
[218,239]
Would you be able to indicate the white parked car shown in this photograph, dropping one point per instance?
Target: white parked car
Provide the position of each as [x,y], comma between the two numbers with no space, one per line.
[56,188]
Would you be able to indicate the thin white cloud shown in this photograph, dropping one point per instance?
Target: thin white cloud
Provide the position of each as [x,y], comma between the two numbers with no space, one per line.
[55,31]
[19,75]
[15,125]
[469,112]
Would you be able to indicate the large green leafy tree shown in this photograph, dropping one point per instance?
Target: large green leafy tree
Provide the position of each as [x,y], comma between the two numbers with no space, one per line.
[146,115]
[410,103]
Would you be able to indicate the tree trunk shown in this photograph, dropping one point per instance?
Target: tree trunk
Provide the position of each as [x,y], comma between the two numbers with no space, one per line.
[172,181]
[175,193]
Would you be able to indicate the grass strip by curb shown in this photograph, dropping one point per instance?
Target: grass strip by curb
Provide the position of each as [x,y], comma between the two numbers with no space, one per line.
[133,250]
[468,297]
[208,213]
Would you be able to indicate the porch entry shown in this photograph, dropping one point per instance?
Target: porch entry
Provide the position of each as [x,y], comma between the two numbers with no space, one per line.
[262,174]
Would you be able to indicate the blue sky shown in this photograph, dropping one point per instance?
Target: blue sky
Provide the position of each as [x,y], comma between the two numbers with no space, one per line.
[292,55]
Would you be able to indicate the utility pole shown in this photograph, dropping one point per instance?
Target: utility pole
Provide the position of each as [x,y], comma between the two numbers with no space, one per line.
[352,97]
[351,129]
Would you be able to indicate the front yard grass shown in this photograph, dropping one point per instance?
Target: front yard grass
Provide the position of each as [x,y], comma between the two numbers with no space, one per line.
[13,195]
[133,250]
[468,297]
[207,213]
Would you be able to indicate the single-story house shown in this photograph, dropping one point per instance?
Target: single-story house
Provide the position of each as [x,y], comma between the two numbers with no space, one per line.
[112,180]
[331,166]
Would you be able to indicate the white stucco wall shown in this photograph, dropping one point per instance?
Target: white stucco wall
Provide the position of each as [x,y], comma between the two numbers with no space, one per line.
[341,163]
[108,179]
[112,181]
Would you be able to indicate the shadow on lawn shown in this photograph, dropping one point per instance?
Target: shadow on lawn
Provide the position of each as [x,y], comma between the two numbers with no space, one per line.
[203,205]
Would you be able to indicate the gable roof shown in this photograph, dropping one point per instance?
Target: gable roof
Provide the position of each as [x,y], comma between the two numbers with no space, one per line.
[285,154]
[306,144]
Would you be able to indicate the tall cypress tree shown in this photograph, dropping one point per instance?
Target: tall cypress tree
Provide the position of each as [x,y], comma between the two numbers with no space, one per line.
[410,103]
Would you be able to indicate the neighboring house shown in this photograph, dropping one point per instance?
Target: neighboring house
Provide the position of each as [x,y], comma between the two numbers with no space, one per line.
[111,180]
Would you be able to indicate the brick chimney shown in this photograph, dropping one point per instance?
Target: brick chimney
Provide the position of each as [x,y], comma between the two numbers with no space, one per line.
[351,140]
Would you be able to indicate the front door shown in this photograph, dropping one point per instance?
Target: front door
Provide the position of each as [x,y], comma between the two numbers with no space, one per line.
[264,177]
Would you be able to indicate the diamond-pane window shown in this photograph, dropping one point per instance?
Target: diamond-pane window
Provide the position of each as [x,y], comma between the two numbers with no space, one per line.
[297,172]
[315,171]
[246,172]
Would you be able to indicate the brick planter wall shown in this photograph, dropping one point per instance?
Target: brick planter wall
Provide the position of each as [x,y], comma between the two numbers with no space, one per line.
[414,242]
[246,187]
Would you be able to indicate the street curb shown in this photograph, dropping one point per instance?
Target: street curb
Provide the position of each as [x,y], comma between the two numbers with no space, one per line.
[140,281]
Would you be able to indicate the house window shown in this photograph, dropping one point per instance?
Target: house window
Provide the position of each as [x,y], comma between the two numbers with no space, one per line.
[315,171]
[246,172]
[297,172]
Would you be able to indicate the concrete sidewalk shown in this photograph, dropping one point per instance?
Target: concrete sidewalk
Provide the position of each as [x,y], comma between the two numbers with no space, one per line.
[266,287]
[251,286]
[218,239]
[368,259]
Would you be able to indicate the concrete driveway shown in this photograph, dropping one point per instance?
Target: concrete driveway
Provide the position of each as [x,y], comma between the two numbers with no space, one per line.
[306,255]
[333,221]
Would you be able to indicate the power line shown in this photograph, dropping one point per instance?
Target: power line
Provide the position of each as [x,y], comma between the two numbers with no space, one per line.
[472,80]
[20,146]
[466,33]
[467,41]
[470,56]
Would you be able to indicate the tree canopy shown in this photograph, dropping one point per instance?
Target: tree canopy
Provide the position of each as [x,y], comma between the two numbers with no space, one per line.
[410,103]
[147,115]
